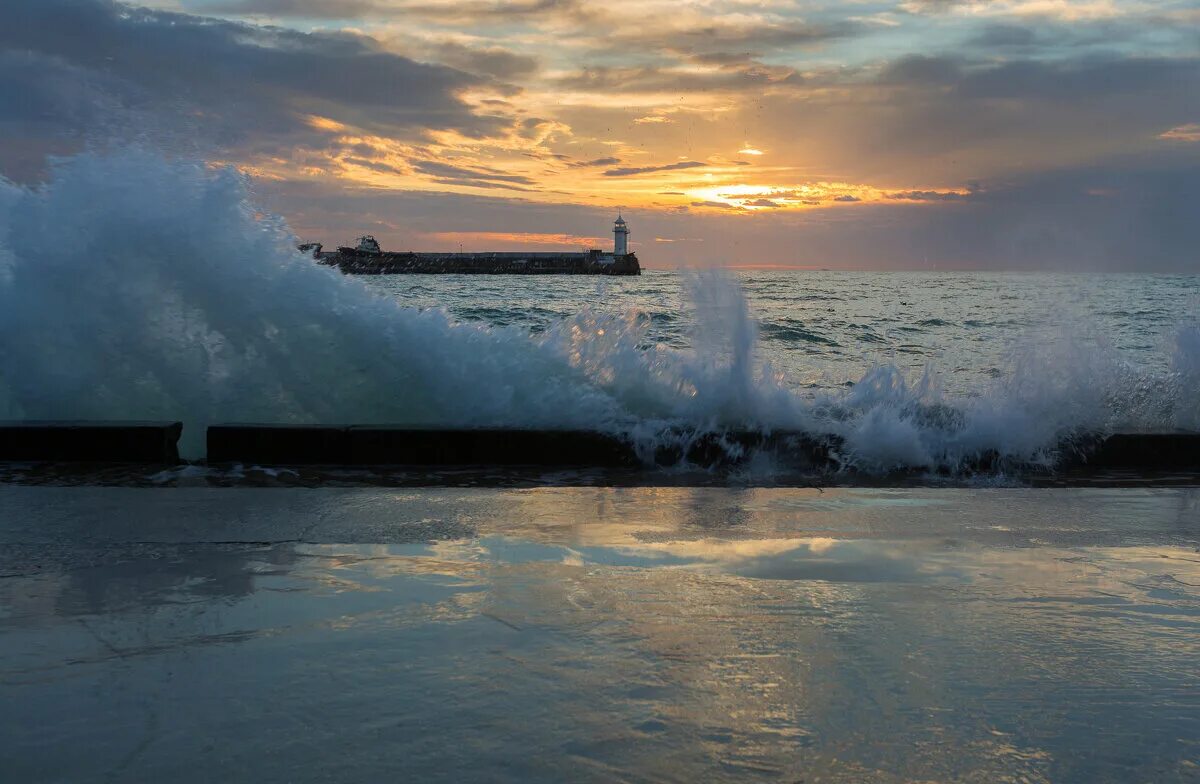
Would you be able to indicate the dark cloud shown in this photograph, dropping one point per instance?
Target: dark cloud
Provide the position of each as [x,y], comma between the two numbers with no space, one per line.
[649,79]
[920,70]
[719,36]
[468,182]
[451,174]
[1072,80]
[498,9]
[493,61]
[928,196]
[595,162]
[1131,214]
[632,170]
[1056,39]
[384,168]
[213,82]
[932,120]
[1085,79]
[723,58]
[313,9]
[760,203]
[846,198]
[541,155]
[348,9]
[1005,36]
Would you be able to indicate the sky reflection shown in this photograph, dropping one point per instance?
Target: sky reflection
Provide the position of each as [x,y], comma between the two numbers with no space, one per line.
[577,647]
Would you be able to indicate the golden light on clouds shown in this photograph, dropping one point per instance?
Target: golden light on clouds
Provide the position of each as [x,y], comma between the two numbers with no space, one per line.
[549,160]
[1182,133]
[325,124]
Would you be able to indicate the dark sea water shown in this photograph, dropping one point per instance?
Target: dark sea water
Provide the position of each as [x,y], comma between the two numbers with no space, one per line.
[826,329]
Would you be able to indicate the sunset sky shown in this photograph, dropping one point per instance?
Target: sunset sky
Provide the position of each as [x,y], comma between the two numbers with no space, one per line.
[1008,134]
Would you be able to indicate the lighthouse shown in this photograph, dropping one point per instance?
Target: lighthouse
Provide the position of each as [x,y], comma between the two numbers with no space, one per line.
[620,237]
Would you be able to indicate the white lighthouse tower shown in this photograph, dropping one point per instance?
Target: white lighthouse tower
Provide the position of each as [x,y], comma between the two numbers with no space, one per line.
[620,237]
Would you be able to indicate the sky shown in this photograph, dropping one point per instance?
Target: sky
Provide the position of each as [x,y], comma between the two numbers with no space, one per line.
[911,134]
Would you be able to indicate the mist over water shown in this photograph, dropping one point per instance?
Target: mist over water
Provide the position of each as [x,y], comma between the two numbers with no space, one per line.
[136,287]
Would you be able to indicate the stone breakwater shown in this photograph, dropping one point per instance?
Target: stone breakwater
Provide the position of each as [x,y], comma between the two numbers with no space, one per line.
[487,263]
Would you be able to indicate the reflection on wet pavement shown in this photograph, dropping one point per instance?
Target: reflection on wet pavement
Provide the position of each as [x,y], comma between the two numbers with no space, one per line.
[599,634]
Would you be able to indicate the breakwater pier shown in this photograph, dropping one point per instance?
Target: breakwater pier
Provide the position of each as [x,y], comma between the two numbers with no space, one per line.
[367,258]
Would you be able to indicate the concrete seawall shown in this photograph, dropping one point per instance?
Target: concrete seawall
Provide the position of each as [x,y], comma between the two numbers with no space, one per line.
[91,442]
[379,445]
[384,445]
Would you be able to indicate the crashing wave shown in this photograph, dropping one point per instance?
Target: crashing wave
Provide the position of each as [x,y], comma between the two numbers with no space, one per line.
[138,287]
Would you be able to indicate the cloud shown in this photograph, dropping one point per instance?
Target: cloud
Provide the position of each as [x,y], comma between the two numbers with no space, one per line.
[664,79]
[311,9]
[928,196]
[1182,133]
[493,61]
[464,11]
[933,6]
[215,82]
[383,168]
[846,198]
[919,69]
[720,205]
[760,203]
[1078,80]
[933,120]
[717,35]
[451,174]
[1069,10]
[632,170]
[1130,214]
[595,162]
[1005,36]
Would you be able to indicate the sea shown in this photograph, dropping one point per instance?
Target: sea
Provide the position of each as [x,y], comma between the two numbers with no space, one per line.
[170,292]
[821,332]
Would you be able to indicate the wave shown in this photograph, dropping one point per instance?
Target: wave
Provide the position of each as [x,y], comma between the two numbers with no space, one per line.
[138,287]
[793,331]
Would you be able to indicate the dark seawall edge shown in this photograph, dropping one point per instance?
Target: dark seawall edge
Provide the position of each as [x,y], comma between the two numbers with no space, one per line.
[397,445]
